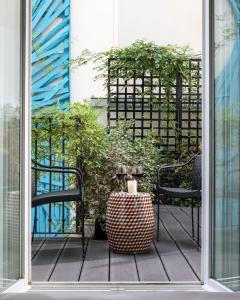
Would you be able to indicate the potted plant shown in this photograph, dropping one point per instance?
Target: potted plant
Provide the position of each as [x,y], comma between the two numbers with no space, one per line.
[92,149]
[100,229]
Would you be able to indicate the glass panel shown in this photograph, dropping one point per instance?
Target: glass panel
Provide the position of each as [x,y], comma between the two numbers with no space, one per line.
[9,141]
[226,234]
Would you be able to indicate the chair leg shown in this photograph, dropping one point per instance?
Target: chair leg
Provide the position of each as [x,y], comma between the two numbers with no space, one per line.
[33,231]
[193,233]
[35,223]
[83,230]
[158,213]
[198,220]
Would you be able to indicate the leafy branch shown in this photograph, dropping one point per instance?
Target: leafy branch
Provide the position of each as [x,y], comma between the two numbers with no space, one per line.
[140,58]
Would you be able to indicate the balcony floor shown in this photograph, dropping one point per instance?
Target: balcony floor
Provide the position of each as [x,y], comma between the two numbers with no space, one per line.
[174,258]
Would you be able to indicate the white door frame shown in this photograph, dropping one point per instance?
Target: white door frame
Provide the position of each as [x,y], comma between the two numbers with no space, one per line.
[209,283]
[26,142]
[208,134]
[206,144]
[22,284]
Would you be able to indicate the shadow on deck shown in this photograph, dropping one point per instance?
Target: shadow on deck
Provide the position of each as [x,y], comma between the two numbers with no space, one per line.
[174,258]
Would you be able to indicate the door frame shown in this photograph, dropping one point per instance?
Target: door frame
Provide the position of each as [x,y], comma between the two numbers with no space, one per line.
[208,149]
[26,140]
[208,282]
[22,284]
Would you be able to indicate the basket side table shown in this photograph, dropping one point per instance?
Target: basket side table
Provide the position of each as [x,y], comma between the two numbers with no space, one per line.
[130,222]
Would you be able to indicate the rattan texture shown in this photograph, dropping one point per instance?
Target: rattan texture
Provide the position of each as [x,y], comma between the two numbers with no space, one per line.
[130,222]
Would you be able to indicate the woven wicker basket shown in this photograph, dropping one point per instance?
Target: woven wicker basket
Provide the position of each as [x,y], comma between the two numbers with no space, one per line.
[130,222]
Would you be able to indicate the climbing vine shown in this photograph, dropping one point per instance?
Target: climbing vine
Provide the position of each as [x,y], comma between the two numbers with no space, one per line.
[140,58]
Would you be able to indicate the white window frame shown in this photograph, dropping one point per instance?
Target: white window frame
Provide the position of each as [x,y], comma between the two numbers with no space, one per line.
[208,282]
[22,284]
[26,142]
[208,134]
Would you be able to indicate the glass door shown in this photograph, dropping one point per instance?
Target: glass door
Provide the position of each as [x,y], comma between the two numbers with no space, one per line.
[226,206]
[10,112]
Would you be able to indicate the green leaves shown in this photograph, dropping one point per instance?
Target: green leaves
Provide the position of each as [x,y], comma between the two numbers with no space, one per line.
[141,58]
[97,153]
[134,152]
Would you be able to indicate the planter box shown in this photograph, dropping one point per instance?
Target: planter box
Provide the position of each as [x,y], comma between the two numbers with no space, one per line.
[89,228]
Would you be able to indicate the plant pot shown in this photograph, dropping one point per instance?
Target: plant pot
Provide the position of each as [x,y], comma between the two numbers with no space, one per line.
[100,229]
[89,228]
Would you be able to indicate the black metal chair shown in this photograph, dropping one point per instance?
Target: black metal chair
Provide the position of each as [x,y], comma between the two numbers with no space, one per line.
[62,195]
[177,192]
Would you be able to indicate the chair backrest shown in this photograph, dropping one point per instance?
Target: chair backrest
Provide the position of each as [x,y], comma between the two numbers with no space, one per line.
[197,173]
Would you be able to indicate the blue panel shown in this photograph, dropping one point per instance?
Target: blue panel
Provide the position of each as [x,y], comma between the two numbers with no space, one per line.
[50,55]
[50,78]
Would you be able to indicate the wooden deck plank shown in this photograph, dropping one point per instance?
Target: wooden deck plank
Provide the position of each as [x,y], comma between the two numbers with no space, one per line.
[150,267]
[123,268]
[69,265]
[175,264]
[175,257]
[36,245]
[185,243]
[187,211]
[45,260]
[185,220]
[96,263]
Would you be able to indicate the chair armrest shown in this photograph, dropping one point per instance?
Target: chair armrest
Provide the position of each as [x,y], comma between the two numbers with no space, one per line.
[58,167]
[63,170]
[172,167]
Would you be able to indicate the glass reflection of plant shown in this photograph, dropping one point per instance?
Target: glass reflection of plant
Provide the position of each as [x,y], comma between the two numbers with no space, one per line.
[230,27]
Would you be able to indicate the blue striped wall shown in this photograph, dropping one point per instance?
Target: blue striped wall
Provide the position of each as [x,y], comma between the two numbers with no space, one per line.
[50,78]
[50,54]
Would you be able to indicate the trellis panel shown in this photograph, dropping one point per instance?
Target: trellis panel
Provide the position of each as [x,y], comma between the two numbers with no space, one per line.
[176,121]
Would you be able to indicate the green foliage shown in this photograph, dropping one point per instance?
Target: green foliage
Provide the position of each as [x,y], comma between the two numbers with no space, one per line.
[139,58]
[89,145]
[97,153]
[79,126]
[135,152]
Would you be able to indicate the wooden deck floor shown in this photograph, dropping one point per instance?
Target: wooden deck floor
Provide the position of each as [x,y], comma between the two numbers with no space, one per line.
[174,258]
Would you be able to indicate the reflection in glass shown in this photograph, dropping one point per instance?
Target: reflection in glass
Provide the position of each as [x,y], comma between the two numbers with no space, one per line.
[10,94]
[226,210]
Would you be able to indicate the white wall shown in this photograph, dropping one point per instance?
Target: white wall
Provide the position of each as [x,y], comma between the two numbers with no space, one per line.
[100,24]
[162,21]
[92,27]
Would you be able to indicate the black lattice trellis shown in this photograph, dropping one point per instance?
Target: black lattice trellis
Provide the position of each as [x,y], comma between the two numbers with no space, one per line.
[176,121]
